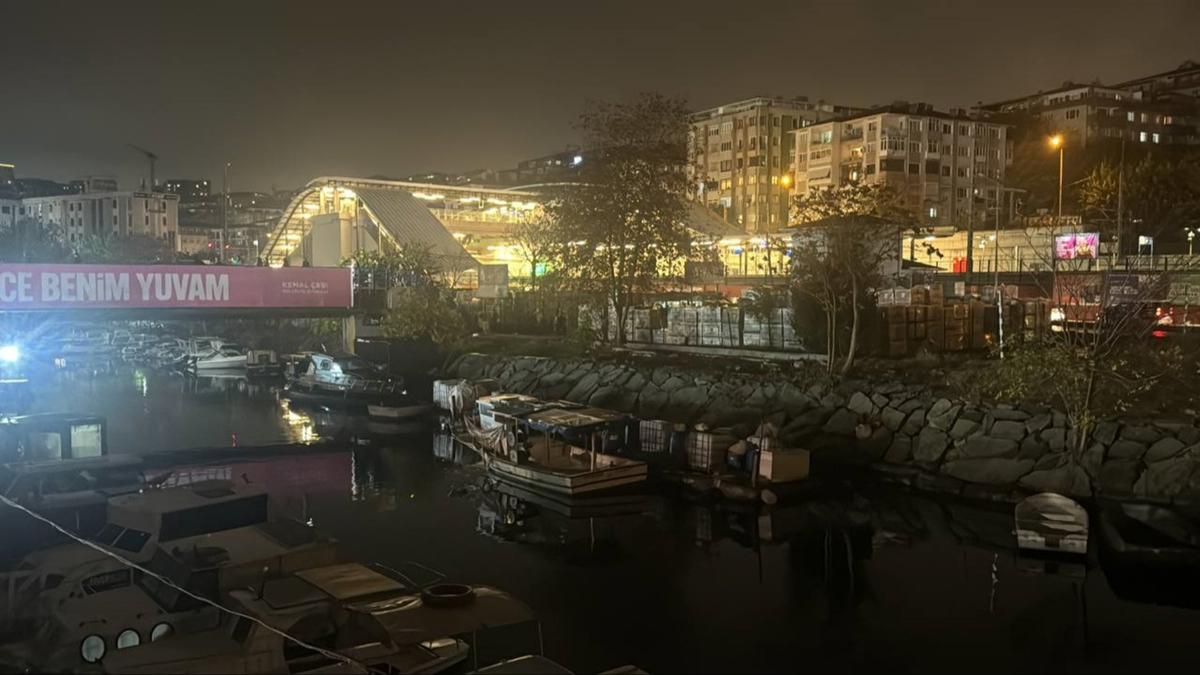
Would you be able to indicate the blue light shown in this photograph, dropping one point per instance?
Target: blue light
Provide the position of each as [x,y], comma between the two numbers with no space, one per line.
[10,354]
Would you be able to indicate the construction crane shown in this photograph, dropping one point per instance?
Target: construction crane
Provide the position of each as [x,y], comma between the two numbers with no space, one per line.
[150,156]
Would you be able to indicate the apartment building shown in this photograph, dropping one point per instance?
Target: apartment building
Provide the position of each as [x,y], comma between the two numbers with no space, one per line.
[1184,80]
[740,157]
[1089,113]
[77,216]
[934,159]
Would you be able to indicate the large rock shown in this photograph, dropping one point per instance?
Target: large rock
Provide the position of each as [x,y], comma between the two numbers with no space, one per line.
[1033,447]
[963,428]
[810,419]
[1141,433]
[833,400]
[1117,476]
[1056,438]
[1066,479]
[842,423]
[1038,422]
[1106,432]
[651,402]
[877,444]
[1189,435]
[1092,460]
[931,445]
[1126,449]
[672,383]
[991,471]
[910,405]
[1009,415]
[1013,430]
[861,404]
[988,446]
[915,422]
[879,400]
[685,403]
[900,451]
[583,388]
[1165,448]
[940,406]
[1168,478]
[944,420]
[892,419]
[636,382]
[614,398]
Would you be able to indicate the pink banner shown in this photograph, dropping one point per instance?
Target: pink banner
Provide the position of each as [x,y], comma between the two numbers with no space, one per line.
[24,287]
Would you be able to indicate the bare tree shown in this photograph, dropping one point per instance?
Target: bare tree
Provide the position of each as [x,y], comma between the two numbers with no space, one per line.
[848,243]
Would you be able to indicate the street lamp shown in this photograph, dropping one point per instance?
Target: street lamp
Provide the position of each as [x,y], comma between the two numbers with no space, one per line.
[1056,142]
[1191,234]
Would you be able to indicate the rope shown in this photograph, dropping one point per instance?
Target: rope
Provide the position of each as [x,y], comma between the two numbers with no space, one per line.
[129,563]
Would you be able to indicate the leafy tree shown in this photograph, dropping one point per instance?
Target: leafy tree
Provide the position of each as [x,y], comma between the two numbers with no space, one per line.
[1161,195]
[421,299]
[30,241]
[848,235]
[424,312]
[622,223]
[535,239]
[117,249]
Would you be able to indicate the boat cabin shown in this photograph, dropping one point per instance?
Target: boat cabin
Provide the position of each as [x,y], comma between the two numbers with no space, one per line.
[52,436]
[504,410]
[352,611]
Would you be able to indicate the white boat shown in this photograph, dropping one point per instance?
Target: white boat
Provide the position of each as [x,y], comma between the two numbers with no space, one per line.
[361,617]
[226,357]
[70,602]
[1051,523]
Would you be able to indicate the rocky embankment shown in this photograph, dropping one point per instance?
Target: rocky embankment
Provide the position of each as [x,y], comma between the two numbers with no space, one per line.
[887,423]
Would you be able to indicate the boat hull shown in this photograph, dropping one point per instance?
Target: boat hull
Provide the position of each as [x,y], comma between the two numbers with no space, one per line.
[627,473]
[394,412]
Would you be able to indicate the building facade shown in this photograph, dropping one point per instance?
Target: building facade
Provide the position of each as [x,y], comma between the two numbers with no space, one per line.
[1183,80]
[1089,113]
[78,216]
[934,159]
[188,189]
[740,158]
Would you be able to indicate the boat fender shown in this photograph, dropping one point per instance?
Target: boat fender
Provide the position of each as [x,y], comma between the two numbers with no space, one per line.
[448,595]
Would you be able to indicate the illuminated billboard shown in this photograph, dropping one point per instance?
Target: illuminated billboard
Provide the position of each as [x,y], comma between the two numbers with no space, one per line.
[1073,246]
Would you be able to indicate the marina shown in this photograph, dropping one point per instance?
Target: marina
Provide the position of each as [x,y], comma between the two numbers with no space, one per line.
[830,573]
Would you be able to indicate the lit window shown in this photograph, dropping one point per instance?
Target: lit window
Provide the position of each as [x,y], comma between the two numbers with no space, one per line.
[1155,138]
[1142,136]
[933,212]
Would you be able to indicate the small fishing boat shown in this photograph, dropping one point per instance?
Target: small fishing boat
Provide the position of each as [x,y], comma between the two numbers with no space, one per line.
[1147,534]
[395,412]
[557,450]
[1051,523]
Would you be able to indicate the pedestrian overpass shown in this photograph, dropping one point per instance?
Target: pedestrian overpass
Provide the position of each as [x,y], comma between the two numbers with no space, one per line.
[464,225]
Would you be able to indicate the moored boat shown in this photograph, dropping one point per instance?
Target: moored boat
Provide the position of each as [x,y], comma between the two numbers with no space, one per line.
[1051,523]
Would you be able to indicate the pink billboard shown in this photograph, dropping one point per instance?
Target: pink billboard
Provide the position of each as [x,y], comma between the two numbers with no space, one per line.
[1072,246]
[31,287]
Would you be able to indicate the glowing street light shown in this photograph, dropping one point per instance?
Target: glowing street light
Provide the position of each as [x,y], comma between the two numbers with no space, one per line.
[10,354]
[786,180]
[1056,142]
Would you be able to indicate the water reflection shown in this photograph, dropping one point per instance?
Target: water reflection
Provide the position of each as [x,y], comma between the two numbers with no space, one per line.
[864,578]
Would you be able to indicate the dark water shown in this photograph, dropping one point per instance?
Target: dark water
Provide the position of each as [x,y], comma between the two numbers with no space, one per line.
[865,580]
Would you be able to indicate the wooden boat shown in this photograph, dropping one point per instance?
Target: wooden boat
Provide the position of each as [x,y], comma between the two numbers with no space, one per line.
[395,412]
[1051,523]
[561,451]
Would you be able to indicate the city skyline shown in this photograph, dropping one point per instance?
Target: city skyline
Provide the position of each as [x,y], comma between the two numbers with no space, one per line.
[287,93]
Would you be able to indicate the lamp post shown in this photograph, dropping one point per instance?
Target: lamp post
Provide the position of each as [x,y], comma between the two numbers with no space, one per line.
[224,209]
[1056,141]
[1001,189]
[1191,235]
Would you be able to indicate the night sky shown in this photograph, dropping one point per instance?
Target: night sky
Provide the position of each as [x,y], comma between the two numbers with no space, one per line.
[288,91]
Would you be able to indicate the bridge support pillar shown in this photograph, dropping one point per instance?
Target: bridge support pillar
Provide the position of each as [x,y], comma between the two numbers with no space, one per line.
[349,333]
